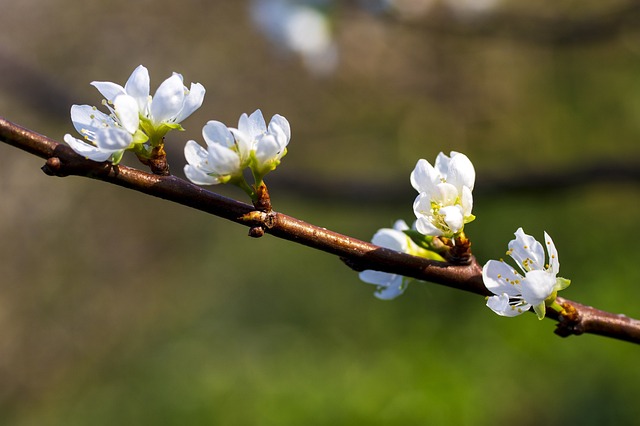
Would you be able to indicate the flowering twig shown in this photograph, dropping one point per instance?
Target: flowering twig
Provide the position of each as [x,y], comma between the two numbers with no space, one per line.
[573,318]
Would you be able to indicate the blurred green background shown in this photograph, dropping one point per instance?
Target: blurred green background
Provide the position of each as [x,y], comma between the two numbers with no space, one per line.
[116,308]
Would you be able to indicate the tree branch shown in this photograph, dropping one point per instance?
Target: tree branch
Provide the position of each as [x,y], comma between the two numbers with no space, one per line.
[359,255]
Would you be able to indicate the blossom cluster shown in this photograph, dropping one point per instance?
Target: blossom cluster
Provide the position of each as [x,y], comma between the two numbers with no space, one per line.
[533,286]
[136,121]
[229,151]
[443,206]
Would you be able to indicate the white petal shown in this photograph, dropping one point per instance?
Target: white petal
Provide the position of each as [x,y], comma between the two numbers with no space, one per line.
[195,154]
[442,165]
[267,149]
[108,89]
[461,172]
[423,176]
[501,278]
[527,251]
[389,285]
[554,262]
[393,290]
[223,161]
[466,201]
[537,286]
[88,151]
[444,193]
[281,122]
[138,86]
[113,139]
[500,305]
[253,125]
[168,100]
[86,117]
[244,143]
[422,205]
[391,239]
[425,227]
[376,277]
[214,132]
[192,101]
[199,177]
[400,225]
[126,108]
[453,217]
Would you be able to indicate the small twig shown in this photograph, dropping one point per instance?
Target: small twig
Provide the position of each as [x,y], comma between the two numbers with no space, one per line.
[359,255]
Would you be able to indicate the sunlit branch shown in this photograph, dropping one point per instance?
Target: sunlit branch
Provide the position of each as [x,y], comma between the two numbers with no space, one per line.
[357,254]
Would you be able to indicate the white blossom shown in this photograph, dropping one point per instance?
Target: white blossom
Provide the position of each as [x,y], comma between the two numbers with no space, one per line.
[444,203]
[268,144]
[171,103]
[534,285]
[390,285]
[105,136]
[224,158]
[230,150]
[135,117]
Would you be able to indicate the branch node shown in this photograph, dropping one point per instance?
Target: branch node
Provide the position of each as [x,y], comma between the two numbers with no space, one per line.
[569,321]
[53,167]
[256,231]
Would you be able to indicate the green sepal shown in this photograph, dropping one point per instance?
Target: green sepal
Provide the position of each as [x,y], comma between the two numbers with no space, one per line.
[139,137]
[429,254]
[541,310]
[469,219]
[421,240]
[116,157]
[561,283]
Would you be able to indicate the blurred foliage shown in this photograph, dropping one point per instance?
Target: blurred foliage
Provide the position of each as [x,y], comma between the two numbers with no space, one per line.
[119,308]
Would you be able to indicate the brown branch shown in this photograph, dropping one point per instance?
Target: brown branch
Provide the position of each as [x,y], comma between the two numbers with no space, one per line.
[359,255]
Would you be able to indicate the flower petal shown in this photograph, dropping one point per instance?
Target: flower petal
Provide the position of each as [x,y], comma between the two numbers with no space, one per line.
[126,108]
[267,150]
[453,217]
[113,139]
[554,262]
[389,285]
[391,239]
[501,278]
[500,305]
[199,177]
[425,227]
[108,89]
[86,117]
[223,161]
[138,86]
[192,101]
[461,172]
[527,251]
[253,125]
[424,176]
[168,100]
[278,121]
[88,151]
[215,132]
[196,155]
[537,286]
